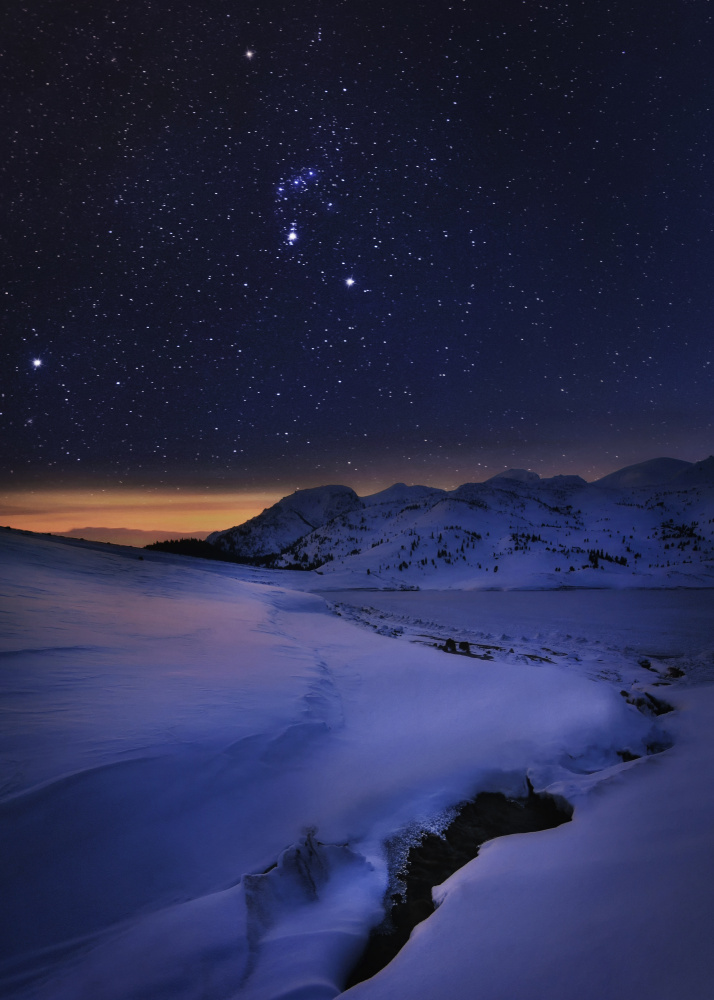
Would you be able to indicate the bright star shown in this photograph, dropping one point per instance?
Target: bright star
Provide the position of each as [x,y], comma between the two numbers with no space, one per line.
[349,282]
[249,54]
[36,362]
[292,236]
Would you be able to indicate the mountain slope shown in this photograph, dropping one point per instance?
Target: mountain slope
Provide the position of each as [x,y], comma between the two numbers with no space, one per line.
[522,475]
[277,527]
[512,534]
[503,533]
[655,472]
[699,474]
[400,493]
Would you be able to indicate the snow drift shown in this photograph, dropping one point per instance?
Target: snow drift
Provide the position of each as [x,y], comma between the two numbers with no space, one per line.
[200,772]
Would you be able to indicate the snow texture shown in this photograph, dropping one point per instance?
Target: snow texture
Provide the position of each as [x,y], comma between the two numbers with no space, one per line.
[201,767]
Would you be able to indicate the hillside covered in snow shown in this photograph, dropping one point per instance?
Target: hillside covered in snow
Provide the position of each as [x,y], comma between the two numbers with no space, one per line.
[649,525]
[211,784]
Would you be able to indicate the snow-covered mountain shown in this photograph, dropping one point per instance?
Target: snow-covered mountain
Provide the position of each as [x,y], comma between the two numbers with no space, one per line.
[510,531]
[402,493]
[655,472]
[699,474]
[285,522]
[129,536]
[522,475]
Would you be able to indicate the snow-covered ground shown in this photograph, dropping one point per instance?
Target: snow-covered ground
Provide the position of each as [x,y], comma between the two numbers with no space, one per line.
[201,766]
[669,627]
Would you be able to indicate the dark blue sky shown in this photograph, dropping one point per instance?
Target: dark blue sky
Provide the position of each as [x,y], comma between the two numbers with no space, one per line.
[521,196]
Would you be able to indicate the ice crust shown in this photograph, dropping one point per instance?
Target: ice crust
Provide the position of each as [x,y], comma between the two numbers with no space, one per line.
[199,773]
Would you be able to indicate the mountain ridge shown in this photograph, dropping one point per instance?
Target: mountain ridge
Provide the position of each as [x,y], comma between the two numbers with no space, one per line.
[654,472]
[523,528]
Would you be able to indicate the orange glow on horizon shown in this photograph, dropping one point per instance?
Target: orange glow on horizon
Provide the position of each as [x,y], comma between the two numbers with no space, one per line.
[180,511]
[191,510]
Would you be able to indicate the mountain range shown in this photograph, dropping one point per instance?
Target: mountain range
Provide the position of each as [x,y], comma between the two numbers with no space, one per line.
[128,536]
[650,524]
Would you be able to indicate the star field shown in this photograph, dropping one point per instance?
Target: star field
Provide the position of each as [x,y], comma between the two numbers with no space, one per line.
[355,242]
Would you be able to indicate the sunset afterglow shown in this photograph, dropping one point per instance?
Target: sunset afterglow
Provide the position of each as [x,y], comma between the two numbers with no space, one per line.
[164,510]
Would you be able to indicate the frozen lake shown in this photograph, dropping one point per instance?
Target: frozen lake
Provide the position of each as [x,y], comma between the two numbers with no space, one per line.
[650,622]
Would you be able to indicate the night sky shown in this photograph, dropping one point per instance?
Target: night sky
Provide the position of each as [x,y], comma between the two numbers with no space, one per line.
[265,245]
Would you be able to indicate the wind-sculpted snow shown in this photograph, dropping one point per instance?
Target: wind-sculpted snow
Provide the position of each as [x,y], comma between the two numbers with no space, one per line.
[614,904]
[200,773]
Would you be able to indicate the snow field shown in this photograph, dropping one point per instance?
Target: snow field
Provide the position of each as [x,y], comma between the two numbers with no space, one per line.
[200,773]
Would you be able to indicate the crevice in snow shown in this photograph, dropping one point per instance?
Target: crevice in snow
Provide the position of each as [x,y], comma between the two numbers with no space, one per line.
[435,856]
[647,703]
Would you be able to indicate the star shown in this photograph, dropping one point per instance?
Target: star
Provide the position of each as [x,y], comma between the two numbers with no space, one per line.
[249,54]
[36,362]
[349,282]
[292,236]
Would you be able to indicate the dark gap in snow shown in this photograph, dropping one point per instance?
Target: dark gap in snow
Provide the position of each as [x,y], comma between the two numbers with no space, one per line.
[659,706]
[647,703]
[437,857]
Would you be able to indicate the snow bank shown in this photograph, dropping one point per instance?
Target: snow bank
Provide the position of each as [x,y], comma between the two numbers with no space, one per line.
[199,772]
[617,903]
